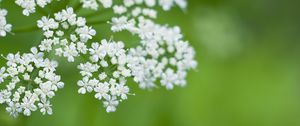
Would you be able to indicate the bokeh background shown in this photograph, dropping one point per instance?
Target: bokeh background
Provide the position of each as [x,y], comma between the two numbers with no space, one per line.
[248,73]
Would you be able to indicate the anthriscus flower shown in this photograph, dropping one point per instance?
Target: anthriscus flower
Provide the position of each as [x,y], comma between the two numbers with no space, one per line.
[105,74]
[160,57]
[58,37]
[29,6]
[30,82]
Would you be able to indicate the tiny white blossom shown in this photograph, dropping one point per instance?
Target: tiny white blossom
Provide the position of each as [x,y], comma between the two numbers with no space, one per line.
[110,85]
[45,107]
[29,6]
[111,104]
[93,4]
[47,24]
[86,85]
[121,23]
[4,27]
[102,90]
[70,52]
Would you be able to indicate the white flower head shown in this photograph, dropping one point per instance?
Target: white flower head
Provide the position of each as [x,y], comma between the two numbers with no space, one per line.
[32,82]
[162,55]
[68,46]
[106,73]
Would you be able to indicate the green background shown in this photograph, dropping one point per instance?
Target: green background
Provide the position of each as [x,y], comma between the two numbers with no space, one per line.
[248,73]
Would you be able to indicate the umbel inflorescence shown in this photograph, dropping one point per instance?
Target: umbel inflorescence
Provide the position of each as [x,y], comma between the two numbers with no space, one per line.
[29,80]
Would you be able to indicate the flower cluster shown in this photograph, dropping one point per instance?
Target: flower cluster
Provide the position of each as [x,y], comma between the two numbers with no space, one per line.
[4,27]
[30,83]
[106,73]
[161,55]
[132,7]
[66,34]
[29,6]
[165,4]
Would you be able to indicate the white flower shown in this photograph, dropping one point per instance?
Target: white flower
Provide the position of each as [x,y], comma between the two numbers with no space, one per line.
[122,91]
[119,9]
[109,59]
[102,76]
[70,52]
[25,89]
[121,23]
[4,27]
[46,45]
[167,4]
[65,45]
[45,107]
[168,79]
[81,47]
[93,4]
[28,104]
[106,3]
[3,75]
[26,76]
[46,90]
[162,48]
[85,33]
[151,3]
[97,52]
[14,109]
[81,21]
[88,68]
[5,96]
[47,24]
[111,104]
[29,6]
[102,90]
[86,85]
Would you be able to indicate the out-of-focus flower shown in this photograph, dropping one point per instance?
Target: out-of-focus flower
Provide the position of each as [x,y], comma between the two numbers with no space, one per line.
[4,26]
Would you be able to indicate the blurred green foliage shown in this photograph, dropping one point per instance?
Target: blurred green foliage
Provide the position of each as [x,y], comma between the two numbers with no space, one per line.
[248,74]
